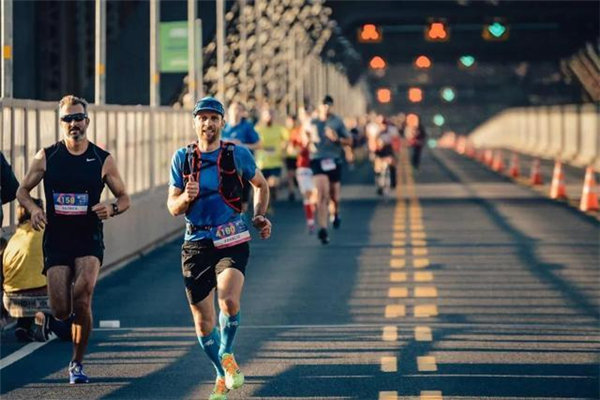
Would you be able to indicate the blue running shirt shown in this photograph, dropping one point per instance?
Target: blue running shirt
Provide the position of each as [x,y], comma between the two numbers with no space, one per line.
[210,209]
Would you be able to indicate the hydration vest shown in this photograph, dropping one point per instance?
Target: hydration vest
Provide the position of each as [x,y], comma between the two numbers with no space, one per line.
[230,182]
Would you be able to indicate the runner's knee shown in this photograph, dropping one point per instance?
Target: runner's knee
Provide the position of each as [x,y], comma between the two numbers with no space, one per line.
[229,305]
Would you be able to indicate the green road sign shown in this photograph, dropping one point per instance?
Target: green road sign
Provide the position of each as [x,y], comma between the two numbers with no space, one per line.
[174,46]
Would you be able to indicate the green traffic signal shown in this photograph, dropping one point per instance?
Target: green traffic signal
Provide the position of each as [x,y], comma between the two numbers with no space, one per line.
[448,94]
[467,61]
[438,119]
[496,29]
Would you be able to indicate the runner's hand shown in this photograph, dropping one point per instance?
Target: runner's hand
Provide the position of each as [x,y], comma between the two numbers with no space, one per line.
[103,210]
[263,226]
[331,135]
[192,188]
[38,219]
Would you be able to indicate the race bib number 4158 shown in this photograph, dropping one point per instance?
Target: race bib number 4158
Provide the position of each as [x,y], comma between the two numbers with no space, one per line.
[71,203]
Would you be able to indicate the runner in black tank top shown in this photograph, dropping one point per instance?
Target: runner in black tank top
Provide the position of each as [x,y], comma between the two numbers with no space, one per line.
[72,185]
[74,171]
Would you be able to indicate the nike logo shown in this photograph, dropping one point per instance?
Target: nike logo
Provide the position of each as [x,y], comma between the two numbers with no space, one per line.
[89,159]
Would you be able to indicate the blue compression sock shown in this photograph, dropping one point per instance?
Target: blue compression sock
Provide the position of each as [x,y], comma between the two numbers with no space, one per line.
[210,345]
[229,327]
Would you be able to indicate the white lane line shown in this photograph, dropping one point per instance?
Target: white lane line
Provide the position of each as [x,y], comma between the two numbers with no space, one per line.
[23,352]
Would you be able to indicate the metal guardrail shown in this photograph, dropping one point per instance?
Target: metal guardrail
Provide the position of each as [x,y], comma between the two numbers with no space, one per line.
[141,138]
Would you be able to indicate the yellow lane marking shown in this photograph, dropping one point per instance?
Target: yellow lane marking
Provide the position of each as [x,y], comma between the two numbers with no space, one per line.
[398,252]
[390,334]
[400,235]
[395,310]
[417,227]
[398,243]
[419,235]
[431,395]
[419,251]
[399,228]
[425,291]
[389,364]
[418,242]
[398,276]
[426,310]
[397,292]
[423,276]
[426,363]
[423,334]
[421,262]
[388,395]
[397,263]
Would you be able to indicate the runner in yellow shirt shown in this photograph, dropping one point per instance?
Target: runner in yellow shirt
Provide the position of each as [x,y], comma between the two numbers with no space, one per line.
[269,159]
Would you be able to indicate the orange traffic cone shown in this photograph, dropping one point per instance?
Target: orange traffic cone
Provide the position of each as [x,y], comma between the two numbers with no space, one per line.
[557,189]
[498,164]
[488,158]
[514,170]
[536,175]
[589,197]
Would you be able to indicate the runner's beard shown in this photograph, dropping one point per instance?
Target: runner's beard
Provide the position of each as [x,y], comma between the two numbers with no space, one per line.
[210,136]
[76,134]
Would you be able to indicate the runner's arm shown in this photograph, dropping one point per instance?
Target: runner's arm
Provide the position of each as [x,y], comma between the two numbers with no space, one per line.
[116,184]
[261,193]
[32,179]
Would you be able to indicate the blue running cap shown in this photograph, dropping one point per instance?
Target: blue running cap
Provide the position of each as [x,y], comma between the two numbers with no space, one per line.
[209,104]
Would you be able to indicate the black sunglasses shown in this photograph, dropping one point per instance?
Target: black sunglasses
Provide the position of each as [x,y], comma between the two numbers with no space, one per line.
[73,117]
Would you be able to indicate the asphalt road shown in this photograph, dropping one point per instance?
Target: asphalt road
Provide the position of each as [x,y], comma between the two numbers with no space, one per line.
[463,286]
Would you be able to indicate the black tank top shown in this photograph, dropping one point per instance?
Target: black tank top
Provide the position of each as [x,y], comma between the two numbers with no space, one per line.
[73,185]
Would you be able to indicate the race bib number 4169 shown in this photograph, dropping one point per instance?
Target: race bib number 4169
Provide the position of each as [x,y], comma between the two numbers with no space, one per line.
[71,203]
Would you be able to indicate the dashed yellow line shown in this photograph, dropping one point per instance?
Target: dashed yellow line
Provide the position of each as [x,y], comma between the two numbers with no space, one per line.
[418,242]
[398,251]
[426,364]
[390,333]
[398,292]
[398,243]
[431,395]
[397,263]
[395,310]
[397,276]
[419,251]
[423,276]
[400,235]
[421,262]
[426,291]
[388,395]
[419,235]
[389,364]
[425,310]
[423,334]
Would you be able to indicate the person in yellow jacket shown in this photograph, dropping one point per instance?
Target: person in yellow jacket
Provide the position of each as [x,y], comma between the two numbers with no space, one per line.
[24,284]
[269,159]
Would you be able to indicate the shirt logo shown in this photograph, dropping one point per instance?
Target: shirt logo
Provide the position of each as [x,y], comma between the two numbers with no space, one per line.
[89,159]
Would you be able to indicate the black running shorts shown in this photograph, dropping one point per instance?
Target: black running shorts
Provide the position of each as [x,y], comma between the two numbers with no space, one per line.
[335,175]
[201,262]
[62,248]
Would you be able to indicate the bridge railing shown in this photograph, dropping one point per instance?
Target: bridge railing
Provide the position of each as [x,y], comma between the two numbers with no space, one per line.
[570,133]
[142,140]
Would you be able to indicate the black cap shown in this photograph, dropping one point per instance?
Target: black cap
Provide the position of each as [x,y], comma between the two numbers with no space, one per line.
[328,100]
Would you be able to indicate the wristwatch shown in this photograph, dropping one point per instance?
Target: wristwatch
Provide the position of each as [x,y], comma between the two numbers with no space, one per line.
[115,208]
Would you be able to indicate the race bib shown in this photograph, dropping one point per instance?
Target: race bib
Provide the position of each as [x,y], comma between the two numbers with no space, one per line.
[328,164]
[71,203]
[230,234]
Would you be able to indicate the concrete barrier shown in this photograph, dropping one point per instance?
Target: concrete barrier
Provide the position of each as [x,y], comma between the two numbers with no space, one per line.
[570,133]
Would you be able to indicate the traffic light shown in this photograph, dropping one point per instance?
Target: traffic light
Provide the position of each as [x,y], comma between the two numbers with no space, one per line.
[369,33]
[466,61]
[437,31]
[384,95]
[448,94]
[496,31]
[377,63]
[422,62]
[415,95]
